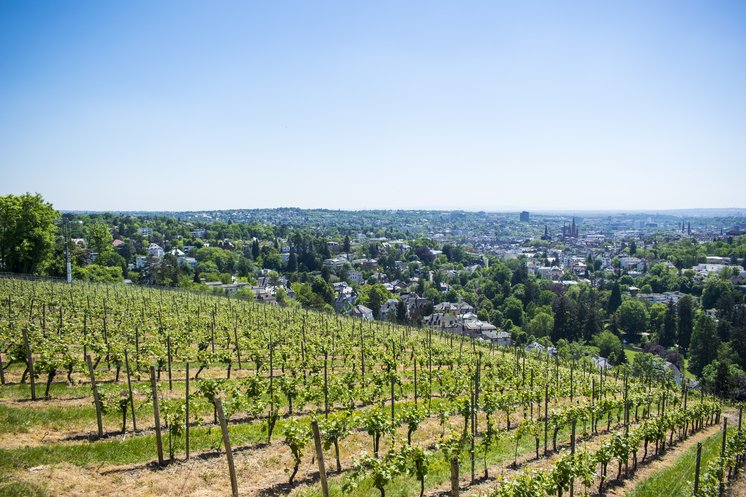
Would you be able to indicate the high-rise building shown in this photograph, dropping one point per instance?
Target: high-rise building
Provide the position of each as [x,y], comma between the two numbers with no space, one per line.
[524,216]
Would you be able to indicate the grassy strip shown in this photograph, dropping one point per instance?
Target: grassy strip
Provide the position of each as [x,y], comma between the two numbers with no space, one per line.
[131,450]
[673,480]
[21,420]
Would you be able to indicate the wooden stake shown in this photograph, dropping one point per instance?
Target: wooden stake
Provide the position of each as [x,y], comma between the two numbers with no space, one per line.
[227,444]
[696,470]
[186,421]
[157,416]
[320,458]
[129,387]
[30,363]
[96,400]
[721,488]
[454,477]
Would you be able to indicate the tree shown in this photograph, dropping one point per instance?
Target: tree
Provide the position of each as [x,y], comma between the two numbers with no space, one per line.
[99,238]
[609,346]
[738,343]
[615,299]
[565,314]
[667,335]
[541,325]
[656,316]
[705,342]
[323,289]
[513,310]
[401,312]
[722,378]
[632,317]
[373,296]
[27,232]
[714,288]
[686,320]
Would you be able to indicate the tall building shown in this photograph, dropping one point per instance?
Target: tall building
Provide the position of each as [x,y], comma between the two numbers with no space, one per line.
[570,231]
[524,216]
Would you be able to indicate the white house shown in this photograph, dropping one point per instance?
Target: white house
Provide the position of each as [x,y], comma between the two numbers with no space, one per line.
[362,312]
[355,276]
[155,250]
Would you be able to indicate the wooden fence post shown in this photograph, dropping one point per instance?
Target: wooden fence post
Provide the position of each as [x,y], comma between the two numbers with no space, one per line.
[96,399]
[320,458]
[227,444]
[157,416]
[30,362]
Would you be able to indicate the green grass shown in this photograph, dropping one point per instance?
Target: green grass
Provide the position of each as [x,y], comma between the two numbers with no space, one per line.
[631,353]
[673,480]
[131,450]
[21,420]
[20,489]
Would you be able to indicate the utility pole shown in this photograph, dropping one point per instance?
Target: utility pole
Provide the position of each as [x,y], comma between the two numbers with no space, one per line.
[66,239]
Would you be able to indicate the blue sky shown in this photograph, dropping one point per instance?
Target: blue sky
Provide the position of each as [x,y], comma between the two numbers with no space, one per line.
[465,105]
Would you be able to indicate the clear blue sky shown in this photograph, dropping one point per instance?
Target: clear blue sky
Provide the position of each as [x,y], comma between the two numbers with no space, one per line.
[476,105]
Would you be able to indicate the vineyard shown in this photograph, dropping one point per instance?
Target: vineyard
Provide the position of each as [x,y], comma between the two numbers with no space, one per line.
[110,389]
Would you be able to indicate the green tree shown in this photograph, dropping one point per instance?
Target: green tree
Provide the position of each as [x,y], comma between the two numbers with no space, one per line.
[656,316]
[705,343]
[27,232]
[686,321]
[373,296]
[513,310]
[667,335]
[99,238]
[541,325]
[713,290]
[609,346]
[565,319]
[632,317]
[615,299]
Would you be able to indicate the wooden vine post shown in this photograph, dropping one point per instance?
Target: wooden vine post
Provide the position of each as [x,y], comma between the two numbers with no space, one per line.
[156,415]
[326,386]
[320,458]
[721,486]
[30,363]
[186,413]
[96,399]
[227,444]
[546,419]
[454,477]
[129,389]
[696,470]
[168,345]
[415,378]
